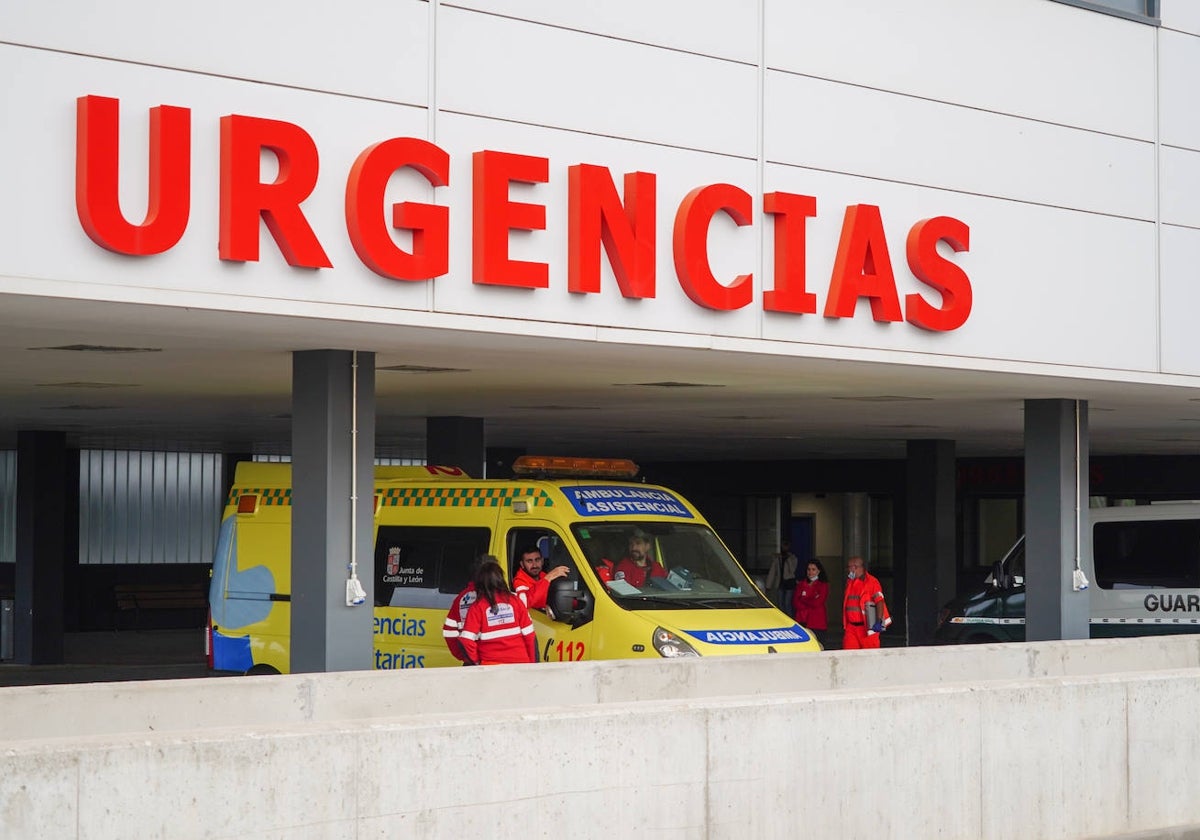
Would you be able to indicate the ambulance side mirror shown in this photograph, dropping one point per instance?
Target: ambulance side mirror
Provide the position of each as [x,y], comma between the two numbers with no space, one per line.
[1000,578]
[570,602]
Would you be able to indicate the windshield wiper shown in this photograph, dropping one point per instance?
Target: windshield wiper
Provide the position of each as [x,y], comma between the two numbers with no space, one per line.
[718,603]
[657,599]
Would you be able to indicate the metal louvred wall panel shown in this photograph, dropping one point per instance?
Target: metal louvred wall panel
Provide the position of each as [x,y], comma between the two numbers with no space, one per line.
[148,507]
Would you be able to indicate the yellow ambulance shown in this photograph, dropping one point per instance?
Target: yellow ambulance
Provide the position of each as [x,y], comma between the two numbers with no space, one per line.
[430,524]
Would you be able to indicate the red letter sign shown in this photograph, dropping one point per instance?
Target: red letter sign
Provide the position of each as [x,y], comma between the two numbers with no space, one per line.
[691,245]
[429,223]
[792,213]
[932,269]
[244,197]
[595,214]
[494,216]
[97,146]
[863,268]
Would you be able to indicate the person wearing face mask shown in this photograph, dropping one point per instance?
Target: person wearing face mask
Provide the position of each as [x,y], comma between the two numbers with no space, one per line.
[809,599]
[864,612]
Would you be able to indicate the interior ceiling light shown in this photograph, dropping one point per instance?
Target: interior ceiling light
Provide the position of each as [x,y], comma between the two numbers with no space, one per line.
[422,369]
[86,385]
[100,348]
[669,384]
[79,407]
[883,398]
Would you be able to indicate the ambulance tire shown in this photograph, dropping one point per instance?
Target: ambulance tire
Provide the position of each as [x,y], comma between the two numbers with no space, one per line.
[261,671]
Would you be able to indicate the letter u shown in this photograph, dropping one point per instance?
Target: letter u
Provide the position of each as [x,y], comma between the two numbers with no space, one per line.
[97,155]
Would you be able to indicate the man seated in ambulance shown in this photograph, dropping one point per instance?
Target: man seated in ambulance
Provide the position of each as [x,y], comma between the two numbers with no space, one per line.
[639,564]
[531,584]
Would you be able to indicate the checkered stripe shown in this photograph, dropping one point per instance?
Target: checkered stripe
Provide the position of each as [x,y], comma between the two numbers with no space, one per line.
[267,495]
[462,496]
[416,496]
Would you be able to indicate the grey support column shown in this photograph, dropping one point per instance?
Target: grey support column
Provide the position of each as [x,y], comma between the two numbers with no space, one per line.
[456,442]
[1056,481]
[856,526]
[329,401]
[930,574]
[41,546]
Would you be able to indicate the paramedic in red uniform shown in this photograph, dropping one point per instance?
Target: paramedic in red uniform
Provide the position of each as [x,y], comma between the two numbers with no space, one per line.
[862,592]
[530,583]
[809,600]
[497,628]
[452,626]
[639,564]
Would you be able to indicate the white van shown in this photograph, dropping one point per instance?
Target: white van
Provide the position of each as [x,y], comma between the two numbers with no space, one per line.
[1144,574]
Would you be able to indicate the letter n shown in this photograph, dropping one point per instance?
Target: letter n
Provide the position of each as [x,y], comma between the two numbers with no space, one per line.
[595,214]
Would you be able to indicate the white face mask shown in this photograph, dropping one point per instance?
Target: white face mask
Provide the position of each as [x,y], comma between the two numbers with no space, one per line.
[813,577]
[850,575]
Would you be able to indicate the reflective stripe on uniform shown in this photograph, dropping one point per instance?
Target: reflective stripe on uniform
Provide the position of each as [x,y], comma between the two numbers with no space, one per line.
[504,633]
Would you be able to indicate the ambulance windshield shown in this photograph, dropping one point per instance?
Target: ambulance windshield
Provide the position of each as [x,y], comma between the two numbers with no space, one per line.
[655,565]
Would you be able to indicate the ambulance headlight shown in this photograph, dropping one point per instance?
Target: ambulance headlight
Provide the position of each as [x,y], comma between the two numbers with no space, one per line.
[669,645]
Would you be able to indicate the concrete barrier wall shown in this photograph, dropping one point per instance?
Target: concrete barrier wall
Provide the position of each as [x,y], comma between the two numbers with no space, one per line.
[838,745]
[71,711]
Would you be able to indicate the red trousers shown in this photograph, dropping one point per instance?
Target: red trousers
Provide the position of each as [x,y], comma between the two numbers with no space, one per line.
[856,638]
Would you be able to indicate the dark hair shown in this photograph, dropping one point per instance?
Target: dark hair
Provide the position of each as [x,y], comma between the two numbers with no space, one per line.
[529,549]
[490,582]
[477,561]
[820,569]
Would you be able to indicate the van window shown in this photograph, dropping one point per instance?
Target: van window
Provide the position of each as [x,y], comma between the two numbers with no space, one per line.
[690,566]
[424,567]
[1150,554]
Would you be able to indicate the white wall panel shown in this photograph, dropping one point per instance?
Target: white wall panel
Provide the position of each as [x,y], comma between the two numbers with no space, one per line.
[37,164]
[506,69]
[1182,15]
[855,130]
[1180,299]
[1179,117]
[1049,285]
[733,250]
[1180,199]
[372,48]
[1030,58]
[721,28]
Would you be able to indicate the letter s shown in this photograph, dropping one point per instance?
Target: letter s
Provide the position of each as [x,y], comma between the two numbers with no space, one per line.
[934,270]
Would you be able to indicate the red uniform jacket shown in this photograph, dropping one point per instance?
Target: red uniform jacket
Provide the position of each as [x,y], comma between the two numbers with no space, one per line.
[809,603]
[533,593]
[493,634]
[635,575]
[860,592]
[454,621]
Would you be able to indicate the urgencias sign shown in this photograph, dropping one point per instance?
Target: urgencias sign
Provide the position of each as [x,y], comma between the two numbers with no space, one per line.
[624,223]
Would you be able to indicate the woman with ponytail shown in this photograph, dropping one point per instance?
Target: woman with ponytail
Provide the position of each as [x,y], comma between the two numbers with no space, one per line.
[497,628]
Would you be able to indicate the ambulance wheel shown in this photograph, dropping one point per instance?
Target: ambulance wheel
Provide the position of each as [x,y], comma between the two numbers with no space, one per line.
[262,670]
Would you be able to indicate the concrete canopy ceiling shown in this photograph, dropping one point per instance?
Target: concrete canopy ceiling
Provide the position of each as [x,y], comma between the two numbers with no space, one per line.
[207,380]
